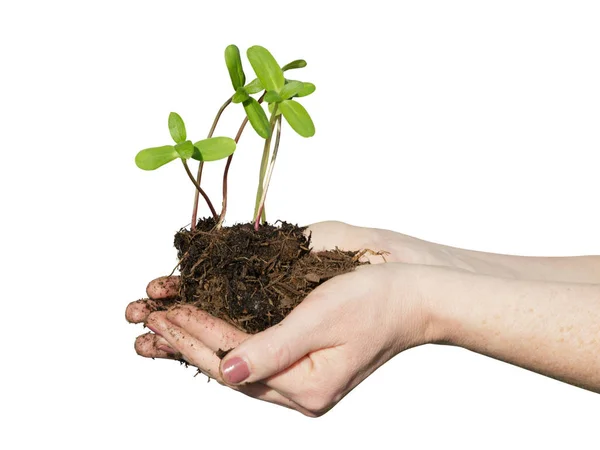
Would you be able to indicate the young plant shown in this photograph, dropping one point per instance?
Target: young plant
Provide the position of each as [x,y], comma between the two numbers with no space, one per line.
[210,149]
[279,94]
[276,90]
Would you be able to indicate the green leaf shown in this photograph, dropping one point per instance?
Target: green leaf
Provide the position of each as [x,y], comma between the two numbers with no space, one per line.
[177,128]
[290,89]
[297,117]
[240,96]
[257,118]
[153,158]
[185,150]
[266,68]
[254,87]
[297,64]
[272,97]
[213,149]
[234,66]
[307,89]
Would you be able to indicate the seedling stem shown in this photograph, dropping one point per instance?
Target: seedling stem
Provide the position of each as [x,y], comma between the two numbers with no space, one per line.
[201,166]
[263,169]
[267,180]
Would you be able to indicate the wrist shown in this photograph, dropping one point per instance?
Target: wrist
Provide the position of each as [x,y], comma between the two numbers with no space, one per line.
[416,294]
[445,294]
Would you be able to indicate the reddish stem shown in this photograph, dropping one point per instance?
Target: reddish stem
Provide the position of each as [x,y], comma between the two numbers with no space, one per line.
[197,197]
[257,223]
[200,167]
[226,173]
[208,202]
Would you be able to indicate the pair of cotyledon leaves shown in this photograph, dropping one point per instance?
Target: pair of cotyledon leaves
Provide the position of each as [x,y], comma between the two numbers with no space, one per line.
[279,93]
[211,149]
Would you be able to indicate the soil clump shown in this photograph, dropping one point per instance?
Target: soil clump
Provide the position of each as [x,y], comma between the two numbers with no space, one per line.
[252,279]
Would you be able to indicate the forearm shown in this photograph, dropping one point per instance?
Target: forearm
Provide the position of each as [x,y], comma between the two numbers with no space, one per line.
[397,247]
[576,269]
[547,327]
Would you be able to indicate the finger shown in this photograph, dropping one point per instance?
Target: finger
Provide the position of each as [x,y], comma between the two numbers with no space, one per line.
[163,287]
[275,349]
[331,235]
[215,333]
[138,311]
[192,349]
[151,345]
[194,325]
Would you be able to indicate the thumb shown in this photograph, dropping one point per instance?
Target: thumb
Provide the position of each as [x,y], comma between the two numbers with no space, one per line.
[273,350]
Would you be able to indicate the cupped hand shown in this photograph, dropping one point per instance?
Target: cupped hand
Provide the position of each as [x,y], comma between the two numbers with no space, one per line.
[334,339]
[342,332]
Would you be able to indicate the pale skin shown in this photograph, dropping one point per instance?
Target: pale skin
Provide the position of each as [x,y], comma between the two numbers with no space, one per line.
[542,314]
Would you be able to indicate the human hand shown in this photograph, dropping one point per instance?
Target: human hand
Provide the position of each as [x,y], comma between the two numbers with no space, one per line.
[325,235]
[333,340]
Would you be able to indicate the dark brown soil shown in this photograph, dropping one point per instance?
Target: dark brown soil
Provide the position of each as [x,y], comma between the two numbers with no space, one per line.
[252,279]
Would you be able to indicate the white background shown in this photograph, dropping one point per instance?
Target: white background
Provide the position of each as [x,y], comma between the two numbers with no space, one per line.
[469,123]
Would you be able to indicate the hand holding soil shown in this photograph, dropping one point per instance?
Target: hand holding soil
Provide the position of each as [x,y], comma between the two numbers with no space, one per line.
[324,348]
[539,313]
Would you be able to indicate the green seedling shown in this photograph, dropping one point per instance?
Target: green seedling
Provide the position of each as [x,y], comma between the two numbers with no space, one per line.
[275,90]
[211,149]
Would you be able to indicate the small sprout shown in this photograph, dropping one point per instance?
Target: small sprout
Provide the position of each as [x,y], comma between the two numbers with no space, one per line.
[177,128]
[211,149]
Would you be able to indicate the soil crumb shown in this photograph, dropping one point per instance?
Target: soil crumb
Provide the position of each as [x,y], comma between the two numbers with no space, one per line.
[252,279]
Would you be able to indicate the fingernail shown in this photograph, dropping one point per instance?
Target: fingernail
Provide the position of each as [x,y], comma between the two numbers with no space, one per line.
[235,370]
[167,349]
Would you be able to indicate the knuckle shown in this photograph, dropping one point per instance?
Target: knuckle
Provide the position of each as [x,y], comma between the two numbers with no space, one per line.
[317,405]
[318,401]
[280,355]
[151,319]
[307,413]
